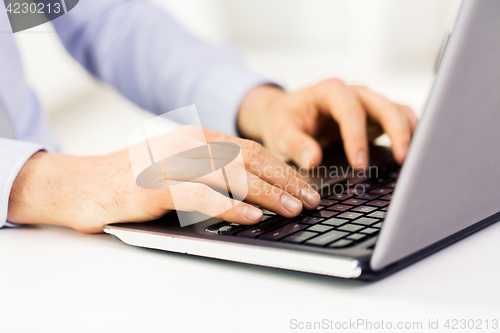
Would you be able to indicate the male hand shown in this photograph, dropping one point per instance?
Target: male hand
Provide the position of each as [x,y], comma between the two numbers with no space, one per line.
[85,193]
[296,125]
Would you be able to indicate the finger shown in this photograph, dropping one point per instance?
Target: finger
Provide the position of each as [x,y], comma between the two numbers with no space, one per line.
[201,198]
[334,97]
[259,192]
[411,117]
[295,144]
[392,118]
[250,145]
[244,185]
[257,166]
[275,175]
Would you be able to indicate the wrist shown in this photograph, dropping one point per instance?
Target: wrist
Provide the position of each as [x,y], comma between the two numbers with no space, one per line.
[27,185]
[254,110]
[71,191]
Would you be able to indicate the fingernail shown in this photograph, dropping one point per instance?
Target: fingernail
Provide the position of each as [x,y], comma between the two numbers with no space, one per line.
[306,157]
[290,203]
[251,213]
[310,196]
[362,158]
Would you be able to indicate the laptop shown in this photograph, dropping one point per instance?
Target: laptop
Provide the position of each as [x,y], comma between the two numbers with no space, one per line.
[383,222]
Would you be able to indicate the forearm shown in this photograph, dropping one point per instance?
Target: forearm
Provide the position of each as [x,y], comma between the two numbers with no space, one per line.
[69,191]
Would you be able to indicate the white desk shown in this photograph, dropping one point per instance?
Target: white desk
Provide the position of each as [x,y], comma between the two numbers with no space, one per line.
[57,280]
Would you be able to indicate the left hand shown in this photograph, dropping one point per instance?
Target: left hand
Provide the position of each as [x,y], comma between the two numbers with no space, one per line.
[296,125]
[85,193]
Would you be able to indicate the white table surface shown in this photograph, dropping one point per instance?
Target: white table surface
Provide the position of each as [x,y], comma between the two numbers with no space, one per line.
[58,280]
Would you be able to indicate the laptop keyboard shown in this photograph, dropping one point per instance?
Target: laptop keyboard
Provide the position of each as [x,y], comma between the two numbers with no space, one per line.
[340,221]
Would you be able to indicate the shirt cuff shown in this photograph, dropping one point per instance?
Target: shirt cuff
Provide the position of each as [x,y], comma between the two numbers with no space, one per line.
[219,94]
[14,154]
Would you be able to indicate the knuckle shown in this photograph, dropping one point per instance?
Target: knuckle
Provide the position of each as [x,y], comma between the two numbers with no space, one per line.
[234,171]
[252,159]
[400,133]
[255,146]
[331,83]
[226,205]
[357,112]
[394,109]
[402,118]
[361,88]
[272,193]
[409,110]
[199,192]
[274,196]
[391,112]
[294,185]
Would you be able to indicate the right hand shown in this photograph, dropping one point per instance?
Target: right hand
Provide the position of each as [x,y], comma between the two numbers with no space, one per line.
[85,193]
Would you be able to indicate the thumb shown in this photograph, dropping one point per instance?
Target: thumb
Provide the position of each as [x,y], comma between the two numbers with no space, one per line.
[293,143]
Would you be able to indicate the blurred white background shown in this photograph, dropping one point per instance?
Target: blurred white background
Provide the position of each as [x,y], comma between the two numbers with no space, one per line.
[389,45]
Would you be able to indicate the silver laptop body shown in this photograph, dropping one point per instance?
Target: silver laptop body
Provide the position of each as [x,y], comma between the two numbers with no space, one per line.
[446,189]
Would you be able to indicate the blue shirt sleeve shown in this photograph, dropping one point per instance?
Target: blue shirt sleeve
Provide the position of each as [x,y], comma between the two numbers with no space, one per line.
[139,49]
[14,154]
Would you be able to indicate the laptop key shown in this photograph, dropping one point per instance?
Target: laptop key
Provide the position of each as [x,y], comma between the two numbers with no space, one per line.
[387,197]
[364,209]
[230,230]
[358,190]
[327,202]
[357,237]
[382,180]
[310,220]
[391,185]
[340,208]
[378,214]
[268,212]
[354,202]
[378,203]
[377,225]
[368,196]
[319,228]
[299,237]
[349,215]
[327,238]
[366,221]
[350,227]
[357,180]
[304,212]
[325,213]
[382,190]
[251,232]
[341,243]
[214,228]
[369,231]
[335,222]
[267,217]
[340,196]
[263,227]
[394,174]
[283,231]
